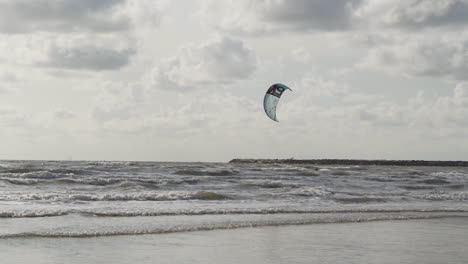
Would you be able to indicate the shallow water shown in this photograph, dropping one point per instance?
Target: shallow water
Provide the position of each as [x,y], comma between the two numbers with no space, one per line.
[429,241]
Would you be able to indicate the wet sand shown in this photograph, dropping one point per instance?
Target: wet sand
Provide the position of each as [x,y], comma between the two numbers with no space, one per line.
[442,240]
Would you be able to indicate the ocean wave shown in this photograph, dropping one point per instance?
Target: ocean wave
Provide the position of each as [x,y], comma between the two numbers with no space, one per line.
[40,175]
[116,182]
[435,181]
[416,173]
[457,186]
[194,172]
[89,181]
[142,196]
[271,184]
[218,211]
[155,183]
[16,175]
[111,163]
[259,211]
[220,226]
[20,181]
[32,213]
[116,165]
[379,179]
[307,173]
[50,180]
[362,199]
[71,171]
[358,168]
[341,173]
[297,171]
[442,196]
[417,187]
[308,191]
[22,170]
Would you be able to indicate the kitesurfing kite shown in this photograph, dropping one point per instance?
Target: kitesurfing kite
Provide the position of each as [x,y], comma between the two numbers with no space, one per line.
[271,99]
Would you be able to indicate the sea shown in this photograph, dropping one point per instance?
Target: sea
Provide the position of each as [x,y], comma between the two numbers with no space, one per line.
[92,199]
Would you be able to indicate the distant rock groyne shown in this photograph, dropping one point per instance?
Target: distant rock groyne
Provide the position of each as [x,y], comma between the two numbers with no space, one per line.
[355,162]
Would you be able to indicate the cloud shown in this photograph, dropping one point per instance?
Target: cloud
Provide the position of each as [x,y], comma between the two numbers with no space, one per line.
[222,60]
[7,76]
[416,37]
[117,101]
[443,56]
[329,108]
[23,16]
[138,112]
[76,35]
[15,118]
[10,117]
[415,14]
[201,116]
[451,111]
[72,52]
[441,116]
[308,14]
[274,16]
[88,57]
[125,109]
[264,16]
[62,114]
[130,109]
[317,106]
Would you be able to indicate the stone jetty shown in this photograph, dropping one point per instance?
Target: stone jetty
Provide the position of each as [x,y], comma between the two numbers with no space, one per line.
[355,162]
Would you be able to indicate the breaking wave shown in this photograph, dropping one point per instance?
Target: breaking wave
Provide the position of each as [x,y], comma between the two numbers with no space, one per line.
[196,212]
[142,196]
[207,172]
[220,226]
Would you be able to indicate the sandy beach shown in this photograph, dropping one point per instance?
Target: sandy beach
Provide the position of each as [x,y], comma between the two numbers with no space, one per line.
[442,240]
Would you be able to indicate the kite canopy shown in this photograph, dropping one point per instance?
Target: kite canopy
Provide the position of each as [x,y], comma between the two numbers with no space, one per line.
[271,99]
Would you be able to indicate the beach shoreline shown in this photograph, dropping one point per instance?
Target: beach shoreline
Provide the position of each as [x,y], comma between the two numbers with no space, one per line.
[441,240]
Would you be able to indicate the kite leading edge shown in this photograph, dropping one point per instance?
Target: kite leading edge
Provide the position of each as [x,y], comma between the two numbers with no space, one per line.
[271,99]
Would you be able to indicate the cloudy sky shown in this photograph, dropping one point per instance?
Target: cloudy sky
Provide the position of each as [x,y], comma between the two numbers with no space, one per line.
[184,80]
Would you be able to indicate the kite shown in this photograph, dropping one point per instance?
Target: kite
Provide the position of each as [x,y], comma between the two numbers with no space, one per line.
[271,99]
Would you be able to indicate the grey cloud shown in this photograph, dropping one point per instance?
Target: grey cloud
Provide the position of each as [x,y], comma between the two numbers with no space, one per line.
[111,113]
[451,111]
[383,115]
[63,115]
[222,60]
[461,92]
[422,56]
[310,14]
[339,15]
[440,116]
[416,14]
[8,77]
[455,14]
[12,118]
[88,58]
[228,59]
[265,16]
[22,16]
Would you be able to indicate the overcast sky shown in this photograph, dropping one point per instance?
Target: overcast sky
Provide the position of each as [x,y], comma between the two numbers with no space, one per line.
[184,80]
